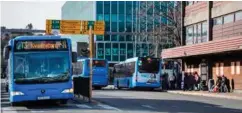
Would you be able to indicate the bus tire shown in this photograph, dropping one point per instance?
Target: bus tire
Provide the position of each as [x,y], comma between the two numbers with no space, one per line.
[118,85]
[128,84]
[63,101]
[98,87]
[14,104]
[6,88]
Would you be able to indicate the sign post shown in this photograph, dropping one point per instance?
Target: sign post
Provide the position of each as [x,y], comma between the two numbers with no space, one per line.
[91,48]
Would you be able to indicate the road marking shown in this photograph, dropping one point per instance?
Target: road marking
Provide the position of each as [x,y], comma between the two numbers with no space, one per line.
[148,106]
[108,107]
[83,106]
[37,111]
[9,110]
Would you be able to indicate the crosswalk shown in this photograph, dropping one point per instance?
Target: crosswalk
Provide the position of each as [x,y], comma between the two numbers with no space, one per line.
[72,105]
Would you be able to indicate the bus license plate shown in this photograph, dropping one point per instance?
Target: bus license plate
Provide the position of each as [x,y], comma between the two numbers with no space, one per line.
[43,98]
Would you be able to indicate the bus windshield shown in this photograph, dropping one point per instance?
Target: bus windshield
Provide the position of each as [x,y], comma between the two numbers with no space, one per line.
[149,65]
[41,67]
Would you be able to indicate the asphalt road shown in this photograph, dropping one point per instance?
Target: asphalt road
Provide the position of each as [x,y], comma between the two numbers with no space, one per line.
[162,102]
[129,101]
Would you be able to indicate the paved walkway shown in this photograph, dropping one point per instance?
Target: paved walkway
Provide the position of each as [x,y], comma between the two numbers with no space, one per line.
[236,96]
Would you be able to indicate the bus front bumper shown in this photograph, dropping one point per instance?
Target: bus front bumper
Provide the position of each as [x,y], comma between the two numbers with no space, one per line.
[22,98]
[147,85]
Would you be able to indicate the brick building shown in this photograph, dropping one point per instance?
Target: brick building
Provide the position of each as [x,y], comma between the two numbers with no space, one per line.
[211,40]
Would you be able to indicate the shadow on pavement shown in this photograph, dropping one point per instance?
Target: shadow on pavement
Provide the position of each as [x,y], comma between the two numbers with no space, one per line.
[168,106]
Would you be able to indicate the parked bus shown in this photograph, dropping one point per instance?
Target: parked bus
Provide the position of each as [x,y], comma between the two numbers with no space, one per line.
[138,72]
[39,68]
[100,71]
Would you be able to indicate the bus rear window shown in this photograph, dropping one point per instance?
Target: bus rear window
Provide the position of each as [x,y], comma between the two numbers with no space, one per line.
[99,63]
[40,45]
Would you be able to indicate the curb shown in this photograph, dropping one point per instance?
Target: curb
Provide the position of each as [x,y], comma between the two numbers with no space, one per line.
[206,95]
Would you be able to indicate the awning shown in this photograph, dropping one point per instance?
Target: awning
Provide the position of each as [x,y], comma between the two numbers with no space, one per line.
[211,47]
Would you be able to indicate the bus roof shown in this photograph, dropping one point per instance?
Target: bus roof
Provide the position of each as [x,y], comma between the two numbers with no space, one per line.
[38,37]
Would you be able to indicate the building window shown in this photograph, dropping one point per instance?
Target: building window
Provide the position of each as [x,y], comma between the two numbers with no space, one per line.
[232,68]
[114,5]
[114,18]
[130,50]
[121,38]
[115,52]
[218,21]
[238,67]
[107,7]
[199,33]
[99,37]
[114,27]
[107,38]
[121,7]
[238,15]
[195,34]
[108,51]
[128,7]
[100,17]
[107,17]
[204,32]
[189,31]
[122,51]
[229,18]
[114,38]
[100,50]
[99,7]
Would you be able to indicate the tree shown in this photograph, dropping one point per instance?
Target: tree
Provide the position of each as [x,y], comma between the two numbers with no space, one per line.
[29,26]
[163,25]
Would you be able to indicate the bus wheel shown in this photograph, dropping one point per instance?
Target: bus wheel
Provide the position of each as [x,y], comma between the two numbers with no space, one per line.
[6,88]
[118,85]
[63,101]
[98,88]
[14,104]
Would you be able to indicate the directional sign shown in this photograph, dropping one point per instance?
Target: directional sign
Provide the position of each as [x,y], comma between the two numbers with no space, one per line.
[75,26]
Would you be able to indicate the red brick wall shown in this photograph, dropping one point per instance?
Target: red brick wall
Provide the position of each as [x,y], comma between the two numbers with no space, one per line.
[227,30]
[195,8]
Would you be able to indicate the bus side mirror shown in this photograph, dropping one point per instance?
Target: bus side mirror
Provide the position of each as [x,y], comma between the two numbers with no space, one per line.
[74,56]
[6,52]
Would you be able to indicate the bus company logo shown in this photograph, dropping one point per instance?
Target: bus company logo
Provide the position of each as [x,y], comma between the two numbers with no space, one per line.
[42,91]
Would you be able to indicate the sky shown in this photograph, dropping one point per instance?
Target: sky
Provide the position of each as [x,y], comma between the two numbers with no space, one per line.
[17,14]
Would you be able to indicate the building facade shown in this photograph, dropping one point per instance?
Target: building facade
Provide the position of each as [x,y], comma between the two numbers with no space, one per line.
[212,40]
[123,21]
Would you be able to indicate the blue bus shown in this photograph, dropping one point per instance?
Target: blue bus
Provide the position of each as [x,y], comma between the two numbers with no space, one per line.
[138,72]
[100,71]
[39,68]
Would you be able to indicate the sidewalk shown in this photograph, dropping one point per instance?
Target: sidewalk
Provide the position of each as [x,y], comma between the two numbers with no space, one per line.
[236,96]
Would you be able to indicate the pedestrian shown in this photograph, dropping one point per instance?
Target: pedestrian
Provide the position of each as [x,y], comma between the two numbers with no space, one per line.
[197,81]
[185,81]
[172,81]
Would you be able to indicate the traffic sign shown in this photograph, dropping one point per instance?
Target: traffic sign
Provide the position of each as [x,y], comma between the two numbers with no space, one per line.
[75,26]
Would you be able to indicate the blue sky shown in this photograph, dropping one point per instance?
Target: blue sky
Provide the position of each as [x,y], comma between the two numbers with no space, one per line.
[17,14]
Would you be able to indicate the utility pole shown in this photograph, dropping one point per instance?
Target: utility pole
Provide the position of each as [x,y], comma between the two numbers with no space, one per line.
[91,48]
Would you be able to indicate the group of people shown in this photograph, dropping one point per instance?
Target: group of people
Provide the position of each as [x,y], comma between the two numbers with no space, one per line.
[191,81]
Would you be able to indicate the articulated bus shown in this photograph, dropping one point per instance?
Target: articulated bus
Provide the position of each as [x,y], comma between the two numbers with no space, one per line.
[138,72]
[39,68]
[100,71]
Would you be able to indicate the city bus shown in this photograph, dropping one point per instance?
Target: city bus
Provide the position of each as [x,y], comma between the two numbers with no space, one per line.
[100,71]
[39,68]
[138,72]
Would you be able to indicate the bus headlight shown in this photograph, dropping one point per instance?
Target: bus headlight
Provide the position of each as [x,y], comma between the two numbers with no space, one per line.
[67,91]
[15,93]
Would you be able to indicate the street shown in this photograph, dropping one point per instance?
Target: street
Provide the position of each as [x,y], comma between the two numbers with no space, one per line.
[112,100]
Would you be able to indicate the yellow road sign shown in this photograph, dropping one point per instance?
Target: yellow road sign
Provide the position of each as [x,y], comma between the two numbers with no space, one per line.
[70,27]
[70,22]
[69,31]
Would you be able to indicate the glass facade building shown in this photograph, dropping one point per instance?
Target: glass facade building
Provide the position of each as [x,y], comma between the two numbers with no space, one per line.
[123,21]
